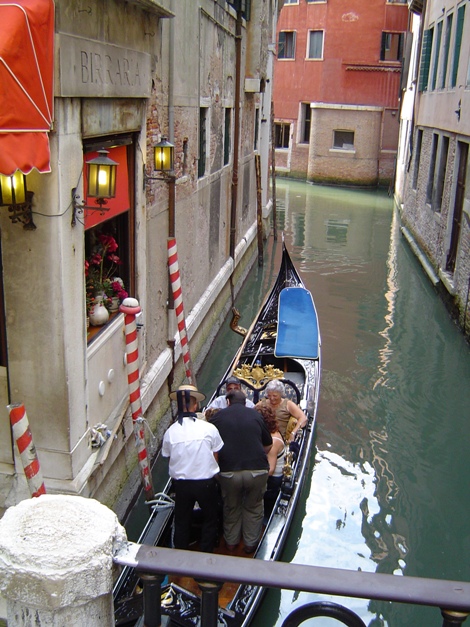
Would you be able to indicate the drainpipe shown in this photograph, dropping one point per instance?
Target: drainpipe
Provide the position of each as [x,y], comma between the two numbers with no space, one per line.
[236,132]
[171,121]
[171,192]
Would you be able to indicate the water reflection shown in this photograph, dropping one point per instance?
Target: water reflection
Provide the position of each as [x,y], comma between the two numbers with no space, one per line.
[386,352]
[387,492]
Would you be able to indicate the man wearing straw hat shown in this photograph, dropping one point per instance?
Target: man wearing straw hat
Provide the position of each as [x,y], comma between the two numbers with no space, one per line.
[192,446]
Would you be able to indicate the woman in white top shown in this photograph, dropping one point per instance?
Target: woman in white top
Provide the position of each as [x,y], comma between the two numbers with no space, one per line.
[276,459]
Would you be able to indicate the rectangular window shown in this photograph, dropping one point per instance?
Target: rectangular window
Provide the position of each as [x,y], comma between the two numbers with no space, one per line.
[419,141]
[291,1]
[432,169]
[109,236]
[436,54]
[255,143]
[423,79]
[282,135]
[445,52]
[185,156]
[286,46]
[202,142]
[315,44]
[392,46]
[343,140]
[305,120]
[441,173]
[228,119]
[457,45]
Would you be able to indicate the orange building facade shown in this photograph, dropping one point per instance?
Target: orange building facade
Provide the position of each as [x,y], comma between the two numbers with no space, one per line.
[337,82]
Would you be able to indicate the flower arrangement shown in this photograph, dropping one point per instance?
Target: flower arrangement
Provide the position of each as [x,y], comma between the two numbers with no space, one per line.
[100,268]
[118,289]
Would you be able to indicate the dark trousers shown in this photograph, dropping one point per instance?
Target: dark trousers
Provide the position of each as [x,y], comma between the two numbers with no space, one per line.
[270,496]
[187,492]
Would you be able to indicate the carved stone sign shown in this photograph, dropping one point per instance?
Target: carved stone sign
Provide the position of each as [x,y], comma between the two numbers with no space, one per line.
[94,69]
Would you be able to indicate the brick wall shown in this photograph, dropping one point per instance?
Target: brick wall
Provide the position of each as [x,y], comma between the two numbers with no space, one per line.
[356,166]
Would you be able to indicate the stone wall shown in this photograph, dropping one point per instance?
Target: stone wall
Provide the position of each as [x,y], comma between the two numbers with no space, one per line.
[430,219]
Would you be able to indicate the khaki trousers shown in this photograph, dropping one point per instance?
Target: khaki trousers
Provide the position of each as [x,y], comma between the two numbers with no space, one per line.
[242,494]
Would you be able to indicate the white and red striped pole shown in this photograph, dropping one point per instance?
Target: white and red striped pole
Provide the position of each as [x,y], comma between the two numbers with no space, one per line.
[179,310]
[130,308]
[24,441]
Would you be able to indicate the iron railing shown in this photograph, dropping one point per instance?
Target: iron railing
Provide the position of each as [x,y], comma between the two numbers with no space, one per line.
[210,570]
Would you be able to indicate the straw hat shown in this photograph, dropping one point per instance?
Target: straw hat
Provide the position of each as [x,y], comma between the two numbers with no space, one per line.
[193,391]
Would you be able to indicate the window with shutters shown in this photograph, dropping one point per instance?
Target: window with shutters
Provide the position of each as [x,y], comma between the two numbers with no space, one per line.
[457,45]
[436,53]
[286,45]
[423,79]
[445,52]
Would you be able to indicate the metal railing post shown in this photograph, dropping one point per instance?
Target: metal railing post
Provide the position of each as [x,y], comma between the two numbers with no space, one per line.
[209,602]
[453,618]
[152,591]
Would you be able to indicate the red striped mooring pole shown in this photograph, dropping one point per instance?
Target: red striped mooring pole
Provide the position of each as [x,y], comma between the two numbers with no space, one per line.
[178,298]
[24,441]
[130,308]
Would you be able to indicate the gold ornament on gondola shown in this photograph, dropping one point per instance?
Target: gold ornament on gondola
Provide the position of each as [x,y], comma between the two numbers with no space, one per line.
[258,376]
[287,469]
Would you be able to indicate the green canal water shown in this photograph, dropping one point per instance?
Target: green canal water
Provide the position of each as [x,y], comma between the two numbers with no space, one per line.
[388,489]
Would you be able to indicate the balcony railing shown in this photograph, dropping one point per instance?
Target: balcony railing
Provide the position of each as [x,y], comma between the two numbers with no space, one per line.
[153,563]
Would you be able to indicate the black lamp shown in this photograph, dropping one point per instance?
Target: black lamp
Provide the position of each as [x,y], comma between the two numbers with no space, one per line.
[102,177]
[12,189]
[164,156]
[15,196]
[101,184]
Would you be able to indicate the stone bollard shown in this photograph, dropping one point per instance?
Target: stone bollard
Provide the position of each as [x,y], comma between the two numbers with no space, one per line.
[56,562]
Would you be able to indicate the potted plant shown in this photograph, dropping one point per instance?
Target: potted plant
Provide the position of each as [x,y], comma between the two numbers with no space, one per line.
[118,293]
[100,268]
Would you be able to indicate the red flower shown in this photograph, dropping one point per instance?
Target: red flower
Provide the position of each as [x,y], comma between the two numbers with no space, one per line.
[108,242]
[114,259]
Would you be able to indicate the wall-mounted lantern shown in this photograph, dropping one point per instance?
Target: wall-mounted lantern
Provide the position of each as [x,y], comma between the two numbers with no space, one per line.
[163,156]
[101,184]
[164,153]
[14,195]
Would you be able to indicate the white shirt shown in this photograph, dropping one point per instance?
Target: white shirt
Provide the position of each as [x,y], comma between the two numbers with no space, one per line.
[221,403]
[191,447]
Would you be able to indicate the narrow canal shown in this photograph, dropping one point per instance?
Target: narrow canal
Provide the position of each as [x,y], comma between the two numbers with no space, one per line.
[388,490]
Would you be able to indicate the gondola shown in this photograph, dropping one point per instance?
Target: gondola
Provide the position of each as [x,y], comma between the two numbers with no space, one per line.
[283,342]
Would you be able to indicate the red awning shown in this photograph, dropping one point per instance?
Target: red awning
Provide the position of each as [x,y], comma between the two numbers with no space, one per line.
[26,84]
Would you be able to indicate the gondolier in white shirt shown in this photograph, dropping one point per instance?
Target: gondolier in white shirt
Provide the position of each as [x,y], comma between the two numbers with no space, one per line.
[192,445]
[220,402]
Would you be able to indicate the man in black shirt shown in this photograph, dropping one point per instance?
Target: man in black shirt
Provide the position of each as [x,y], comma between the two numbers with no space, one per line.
[243,470]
